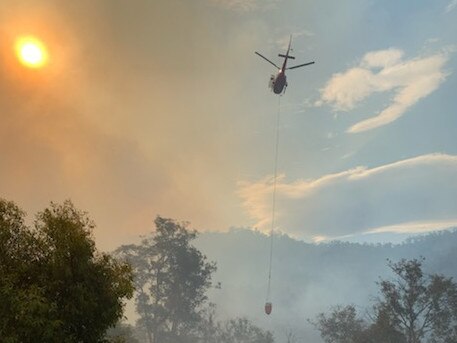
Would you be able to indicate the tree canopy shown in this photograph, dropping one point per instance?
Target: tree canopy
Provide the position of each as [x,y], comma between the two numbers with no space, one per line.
[55,285]
[241,330]
[171,278]
[412,307]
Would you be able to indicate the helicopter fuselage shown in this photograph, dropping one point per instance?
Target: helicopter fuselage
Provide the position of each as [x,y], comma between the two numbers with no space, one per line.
[278,82]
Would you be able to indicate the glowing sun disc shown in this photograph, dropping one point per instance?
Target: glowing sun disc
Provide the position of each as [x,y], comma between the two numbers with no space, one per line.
[31,52]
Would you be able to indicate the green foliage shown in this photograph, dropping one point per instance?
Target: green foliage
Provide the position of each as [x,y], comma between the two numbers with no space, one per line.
[121,333]
[171,278]
[241,330]
[420,307]
[55,286]
[238,330]
[412,308]
[341,326]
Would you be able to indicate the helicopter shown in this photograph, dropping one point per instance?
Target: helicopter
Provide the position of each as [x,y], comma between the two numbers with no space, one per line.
[278,82]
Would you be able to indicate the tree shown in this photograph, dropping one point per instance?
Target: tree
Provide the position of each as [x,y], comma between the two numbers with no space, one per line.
[341,326]
[208,328]
[171,278]
[290,336]
[55,285]
[25,312]
[241,330]
[383,329]
[238,330]
[121,333]
[412,308]
[420,306]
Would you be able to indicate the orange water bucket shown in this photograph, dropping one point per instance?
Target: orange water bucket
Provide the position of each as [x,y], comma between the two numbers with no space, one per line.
[268,308]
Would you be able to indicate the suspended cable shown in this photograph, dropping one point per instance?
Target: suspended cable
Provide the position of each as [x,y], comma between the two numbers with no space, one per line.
[268,305]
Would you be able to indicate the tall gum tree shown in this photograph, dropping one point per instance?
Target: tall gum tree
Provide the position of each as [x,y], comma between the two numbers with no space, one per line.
[171,279]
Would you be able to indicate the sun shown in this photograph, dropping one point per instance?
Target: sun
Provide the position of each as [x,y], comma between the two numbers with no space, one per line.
[31,52]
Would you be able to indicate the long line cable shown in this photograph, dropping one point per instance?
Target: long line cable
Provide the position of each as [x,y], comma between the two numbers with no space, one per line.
[273,207]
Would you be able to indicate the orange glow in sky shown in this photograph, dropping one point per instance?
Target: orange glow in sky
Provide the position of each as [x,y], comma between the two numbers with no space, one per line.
[31,52]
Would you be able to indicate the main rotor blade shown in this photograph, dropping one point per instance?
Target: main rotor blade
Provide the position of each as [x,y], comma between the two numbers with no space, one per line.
[301,65]
[266,59]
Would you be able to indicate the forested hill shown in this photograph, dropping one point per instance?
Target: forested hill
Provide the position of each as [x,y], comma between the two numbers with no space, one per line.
[309,278]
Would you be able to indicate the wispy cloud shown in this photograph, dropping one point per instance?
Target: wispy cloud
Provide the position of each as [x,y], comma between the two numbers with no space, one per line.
[245,5]
[385,71]
[283,42]
[415,227]
[416,190]
[452,5]
[349,154]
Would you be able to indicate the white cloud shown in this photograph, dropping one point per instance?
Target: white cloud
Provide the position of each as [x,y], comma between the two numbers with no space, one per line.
[384,71]
[416,191]
[382,58]
[451,6]
[245,5]
[415,227]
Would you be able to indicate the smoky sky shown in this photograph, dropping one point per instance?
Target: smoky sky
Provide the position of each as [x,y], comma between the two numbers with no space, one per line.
[161,107]
[124,121]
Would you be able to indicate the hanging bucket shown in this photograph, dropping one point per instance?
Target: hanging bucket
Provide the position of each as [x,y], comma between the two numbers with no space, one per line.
[268,308]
